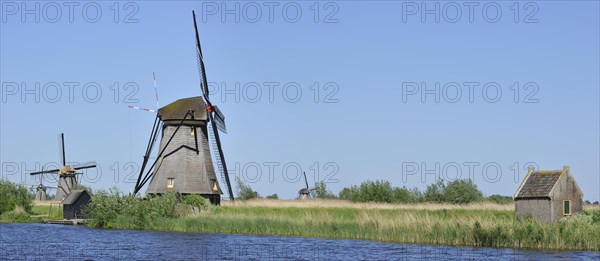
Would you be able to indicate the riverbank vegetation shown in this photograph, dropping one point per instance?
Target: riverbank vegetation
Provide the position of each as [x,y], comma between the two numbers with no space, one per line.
[477,224]
[372,211]
[15,203]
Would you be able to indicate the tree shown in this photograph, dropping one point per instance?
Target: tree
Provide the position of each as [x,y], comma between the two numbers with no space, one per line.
[462,191]
[245,192]
[321,191]
[350,193]
[402,195]
[369,191]
[435,192]
[416,195]
[499,199]
[274,196]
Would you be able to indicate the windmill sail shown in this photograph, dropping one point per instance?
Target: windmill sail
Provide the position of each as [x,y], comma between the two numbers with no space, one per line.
[305,180]
[205,94]
[61,149]
[219,119]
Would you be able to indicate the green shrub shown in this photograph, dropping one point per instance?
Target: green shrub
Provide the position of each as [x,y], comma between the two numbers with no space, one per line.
[245,192]
[274,196]
[462,191]
[350,193]
[15,217]
[405,195]
[111,209]
[12,195]
[369,191]
[84,187]
[321,191]
[435,192]
[195,201]
[499,199]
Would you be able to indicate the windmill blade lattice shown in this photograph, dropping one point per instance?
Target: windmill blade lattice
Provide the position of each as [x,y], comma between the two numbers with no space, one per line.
[205,94]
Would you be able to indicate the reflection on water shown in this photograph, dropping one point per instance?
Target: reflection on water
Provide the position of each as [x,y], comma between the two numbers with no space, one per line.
[55,242]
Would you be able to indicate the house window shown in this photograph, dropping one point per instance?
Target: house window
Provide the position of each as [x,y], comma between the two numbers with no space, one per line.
[566,207]
[170,183]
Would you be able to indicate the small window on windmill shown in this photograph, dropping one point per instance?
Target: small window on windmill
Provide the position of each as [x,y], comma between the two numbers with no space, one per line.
[213,184]
[193,132]
[170,183]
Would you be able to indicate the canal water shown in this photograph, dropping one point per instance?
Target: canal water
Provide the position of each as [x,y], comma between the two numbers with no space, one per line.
[57,242]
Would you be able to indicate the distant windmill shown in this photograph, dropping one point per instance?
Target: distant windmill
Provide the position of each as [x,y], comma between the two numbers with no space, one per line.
[304,193]
[184,162]
[67,174]
[41,190]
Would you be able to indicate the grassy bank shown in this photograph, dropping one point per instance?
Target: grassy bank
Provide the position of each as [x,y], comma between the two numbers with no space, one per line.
[489,225]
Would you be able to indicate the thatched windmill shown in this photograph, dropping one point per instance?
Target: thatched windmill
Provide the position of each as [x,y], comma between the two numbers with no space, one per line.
[304,193]
[184,163]
[67,174]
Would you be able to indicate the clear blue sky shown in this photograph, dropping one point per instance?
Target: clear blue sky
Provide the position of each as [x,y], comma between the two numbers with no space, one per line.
[373,125]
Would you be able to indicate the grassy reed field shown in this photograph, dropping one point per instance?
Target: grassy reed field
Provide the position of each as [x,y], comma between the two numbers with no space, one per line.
[335,203]
[481,224]
[47,211]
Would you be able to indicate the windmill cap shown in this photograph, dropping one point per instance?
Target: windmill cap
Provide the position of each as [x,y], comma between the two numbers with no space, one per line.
[174,112]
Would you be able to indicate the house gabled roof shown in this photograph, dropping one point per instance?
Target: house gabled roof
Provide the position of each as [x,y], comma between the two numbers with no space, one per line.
[538,184]
[73,196]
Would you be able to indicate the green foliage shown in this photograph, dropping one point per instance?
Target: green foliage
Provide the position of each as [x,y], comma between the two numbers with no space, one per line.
[274,196]
[499,199]
[457,192]
[16,217]
[369,191]
[435,192]
[107,209]
[595,216]
[244,191]
[321,191]
[53,211]
[402,195]
[12,195]
[84,187]
[462,191]
[196,201]
[350,193]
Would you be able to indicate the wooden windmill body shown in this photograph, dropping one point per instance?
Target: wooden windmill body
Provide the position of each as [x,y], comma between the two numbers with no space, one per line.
[186,166]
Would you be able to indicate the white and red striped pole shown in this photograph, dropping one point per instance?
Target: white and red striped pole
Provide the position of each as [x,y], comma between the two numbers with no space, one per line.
[155,90]
[139,108]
